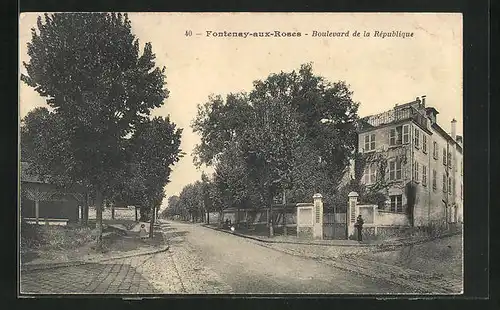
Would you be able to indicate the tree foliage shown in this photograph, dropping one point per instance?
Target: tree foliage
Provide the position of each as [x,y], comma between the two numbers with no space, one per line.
[293,132]
[89,68]
[91,71]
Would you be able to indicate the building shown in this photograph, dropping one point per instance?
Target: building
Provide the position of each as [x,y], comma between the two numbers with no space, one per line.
[407,144]
[40,200]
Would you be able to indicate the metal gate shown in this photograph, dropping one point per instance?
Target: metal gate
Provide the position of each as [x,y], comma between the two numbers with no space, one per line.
[334,225]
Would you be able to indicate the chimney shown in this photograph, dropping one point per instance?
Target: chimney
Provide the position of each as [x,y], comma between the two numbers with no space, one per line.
[454,129]
[423,101]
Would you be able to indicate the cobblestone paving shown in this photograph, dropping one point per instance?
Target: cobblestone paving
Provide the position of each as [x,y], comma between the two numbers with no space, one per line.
[180,270]
[118,277]
[176,271]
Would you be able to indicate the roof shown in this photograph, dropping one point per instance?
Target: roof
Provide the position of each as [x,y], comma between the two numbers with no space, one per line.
[29,177]
[443,133]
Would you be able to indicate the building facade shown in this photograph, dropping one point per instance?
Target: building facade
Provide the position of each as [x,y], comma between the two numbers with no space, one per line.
[41,200]
[406,145]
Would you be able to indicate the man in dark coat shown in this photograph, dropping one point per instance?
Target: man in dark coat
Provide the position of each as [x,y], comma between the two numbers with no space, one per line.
[359,226]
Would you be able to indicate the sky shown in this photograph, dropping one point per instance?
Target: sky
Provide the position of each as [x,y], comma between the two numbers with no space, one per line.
[381,72]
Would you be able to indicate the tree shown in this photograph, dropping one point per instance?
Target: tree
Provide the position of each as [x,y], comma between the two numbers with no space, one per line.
[89,68]
[290,123]
[172,207]
[153,148]
[231,182]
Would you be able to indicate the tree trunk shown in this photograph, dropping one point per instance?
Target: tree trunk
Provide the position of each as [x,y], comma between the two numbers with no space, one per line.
[237,219]
[113,212]
[221,218]
[271,219]
[135,213]
[208,218]
[246,219]
[152,223]
[267,218]
[37,210]
[98,225]
[284,214]
[86,209]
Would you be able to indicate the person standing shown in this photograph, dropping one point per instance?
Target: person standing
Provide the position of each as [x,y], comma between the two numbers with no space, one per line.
[359,226]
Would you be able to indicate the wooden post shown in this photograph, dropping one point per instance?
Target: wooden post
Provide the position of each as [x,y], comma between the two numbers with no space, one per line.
[37,209]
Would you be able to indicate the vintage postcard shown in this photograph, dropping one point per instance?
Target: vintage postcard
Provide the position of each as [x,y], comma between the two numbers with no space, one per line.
[240,153]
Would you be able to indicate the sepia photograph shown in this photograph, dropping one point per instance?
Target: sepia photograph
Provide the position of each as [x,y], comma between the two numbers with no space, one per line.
[240,153]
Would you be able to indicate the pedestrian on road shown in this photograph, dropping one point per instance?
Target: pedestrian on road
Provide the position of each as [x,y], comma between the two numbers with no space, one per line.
[359,226]
[143,233]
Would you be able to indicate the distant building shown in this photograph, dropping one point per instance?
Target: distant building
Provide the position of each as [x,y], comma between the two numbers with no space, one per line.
[407,144]
[40,200]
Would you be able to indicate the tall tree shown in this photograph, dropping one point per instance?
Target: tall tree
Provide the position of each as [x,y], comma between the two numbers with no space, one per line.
[90,69]
[154,148]
[295,130]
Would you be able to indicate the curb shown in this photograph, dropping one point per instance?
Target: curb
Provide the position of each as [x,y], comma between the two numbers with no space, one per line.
[35,267]
[288,242]
[380,246]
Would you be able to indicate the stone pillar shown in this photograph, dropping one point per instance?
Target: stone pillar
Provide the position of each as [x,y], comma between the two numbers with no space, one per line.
[352,213]
[318,217]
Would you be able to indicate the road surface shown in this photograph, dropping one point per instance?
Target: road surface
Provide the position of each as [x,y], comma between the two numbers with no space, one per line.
[205,261]
[248,267]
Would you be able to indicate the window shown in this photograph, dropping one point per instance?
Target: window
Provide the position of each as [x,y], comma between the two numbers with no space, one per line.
[435,152]
[449,186]
[444,156]
[395,170]
[424,175]
[395,136]
[424,143]
[416,171]
[398,135]
[370,142]
[370,174]
[444,183]
[434,179]
[449,160]
[417,138]
[406,134]
[396,203]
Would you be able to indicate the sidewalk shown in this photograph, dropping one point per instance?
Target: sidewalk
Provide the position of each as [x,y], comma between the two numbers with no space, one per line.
[384,245]
[125,249]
